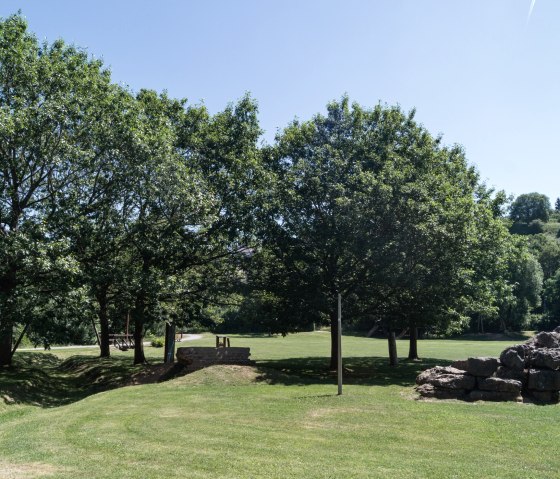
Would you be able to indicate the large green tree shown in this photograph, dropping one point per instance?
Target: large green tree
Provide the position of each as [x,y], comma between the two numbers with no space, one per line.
[48,94]
[189,206]
[369,205]
[529,207]
[91,208]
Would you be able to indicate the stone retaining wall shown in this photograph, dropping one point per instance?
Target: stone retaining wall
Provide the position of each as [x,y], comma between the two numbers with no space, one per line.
[525,371]
[200,357]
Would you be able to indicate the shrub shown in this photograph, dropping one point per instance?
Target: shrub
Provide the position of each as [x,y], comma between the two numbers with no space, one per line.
[158,342]
[536,227]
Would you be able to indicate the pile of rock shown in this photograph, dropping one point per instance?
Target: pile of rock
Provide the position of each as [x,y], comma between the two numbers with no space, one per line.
[526,371]
[200,357]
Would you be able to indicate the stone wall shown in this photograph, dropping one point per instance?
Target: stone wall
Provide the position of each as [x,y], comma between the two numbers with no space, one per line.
[528,371]
[200,357]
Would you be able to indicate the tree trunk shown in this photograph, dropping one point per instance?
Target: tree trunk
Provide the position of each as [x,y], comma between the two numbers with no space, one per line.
[6,345]
[104,343]
[139,357]
[413,344]
[8,284]
[138,315]
[393,359]
[334,340]
[169,353]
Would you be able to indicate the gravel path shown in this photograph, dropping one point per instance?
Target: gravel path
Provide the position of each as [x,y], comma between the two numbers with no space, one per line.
[186,337]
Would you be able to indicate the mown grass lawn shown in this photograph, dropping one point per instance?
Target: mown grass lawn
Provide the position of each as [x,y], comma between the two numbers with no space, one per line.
[281,419]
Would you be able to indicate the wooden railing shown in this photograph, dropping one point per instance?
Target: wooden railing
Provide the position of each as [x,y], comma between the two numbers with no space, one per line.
[222,342]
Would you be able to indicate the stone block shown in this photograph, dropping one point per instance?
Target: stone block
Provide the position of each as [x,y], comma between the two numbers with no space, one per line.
[544,380]
[200,357]
[429,375]
[454,381]
[483,367]
[512,359]
[545,358]
[460,364]
[547,340]
[505,373]
[499,384]
[430,391]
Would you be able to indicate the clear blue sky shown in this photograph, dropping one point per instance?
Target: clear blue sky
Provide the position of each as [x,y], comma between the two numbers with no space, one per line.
[478,71]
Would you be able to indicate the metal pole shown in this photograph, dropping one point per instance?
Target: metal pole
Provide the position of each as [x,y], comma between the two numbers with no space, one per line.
[339,365]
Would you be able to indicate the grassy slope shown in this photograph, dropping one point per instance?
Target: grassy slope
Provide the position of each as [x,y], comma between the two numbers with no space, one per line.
[284,421]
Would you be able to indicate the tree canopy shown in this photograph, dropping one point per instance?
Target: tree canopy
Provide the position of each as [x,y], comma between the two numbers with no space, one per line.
[120,206]
[367,204]
[529,207]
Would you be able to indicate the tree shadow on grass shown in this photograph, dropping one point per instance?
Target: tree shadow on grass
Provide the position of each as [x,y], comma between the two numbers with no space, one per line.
[45,380]
[363,371]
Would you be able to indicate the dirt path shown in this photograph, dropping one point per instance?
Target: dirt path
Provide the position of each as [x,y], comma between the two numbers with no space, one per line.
[186,337]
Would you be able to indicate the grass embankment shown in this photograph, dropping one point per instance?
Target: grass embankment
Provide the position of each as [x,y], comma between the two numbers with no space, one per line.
[281,419]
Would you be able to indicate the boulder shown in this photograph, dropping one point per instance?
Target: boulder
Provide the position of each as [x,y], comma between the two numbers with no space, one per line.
[499,384]
[547,340]
[478,395]
[483,367]
[430,391]
[531,370]
[429,375]
[454,381]
[544,380]
[505,373]
[511,358]
[545,358]
[460,364]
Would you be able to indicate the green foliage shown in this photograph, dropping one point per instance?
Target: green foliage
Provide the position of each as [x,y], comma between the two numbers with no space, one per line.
[50,98]
[535,227]
[530,206]
[547,250]
[552,227]
[133,210]
[367,203]
[157,342]
[526,278]
[552,300]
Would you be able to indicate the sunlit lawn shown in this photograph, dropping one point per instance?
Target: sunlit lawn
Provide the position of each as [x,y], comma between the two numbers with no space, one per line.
[282,419]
